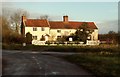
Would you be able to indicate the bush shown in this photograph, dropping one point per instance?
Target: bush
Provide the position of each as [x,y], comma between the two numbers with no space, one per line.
[28,38]
[13,38]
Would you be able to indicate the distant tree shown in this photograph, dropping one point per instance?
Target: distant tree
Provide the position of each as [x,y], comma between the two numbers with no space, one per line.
[82,33]
[44,17]
[111,32]
[111,37]
[28,38]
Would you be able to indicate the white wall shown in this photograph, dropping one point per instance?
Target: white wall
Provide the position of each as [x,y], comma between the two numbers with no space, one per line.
[66,32]
[94,35]
[37,33]
[53,32]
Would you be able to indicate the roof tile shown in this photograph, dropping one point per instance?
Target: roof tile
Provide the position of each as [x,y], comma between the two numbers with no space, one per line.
[36,23]
[57,24]
[70,25]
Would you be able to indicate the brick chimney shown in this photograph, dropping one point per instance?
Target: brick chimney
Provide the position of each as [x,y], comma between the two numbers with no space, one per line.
[24,18]
[23,25]
[65,18]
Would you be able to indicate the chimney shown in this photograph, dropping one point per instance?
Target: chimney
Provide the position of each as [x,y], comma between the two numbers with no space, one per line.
[65,18]
[23,25]
[24,18]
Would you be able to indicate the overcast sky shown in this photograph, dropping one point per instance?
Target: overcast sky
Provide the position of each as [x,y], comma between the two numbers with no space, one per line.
[104,14]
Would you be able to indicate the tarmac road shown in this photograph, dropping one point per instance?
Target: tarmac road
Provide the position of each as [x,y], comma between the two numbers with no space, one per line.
[21,63]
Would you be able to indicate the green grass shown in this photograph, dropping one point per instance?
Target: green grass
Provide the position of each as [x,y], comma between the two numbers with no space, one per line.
[101,65]
[20,47]
[58,48]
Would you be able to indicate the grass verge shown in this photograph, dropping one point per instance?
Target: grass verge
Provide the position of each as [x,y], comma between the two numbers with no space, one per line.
[101,65]
[58,48]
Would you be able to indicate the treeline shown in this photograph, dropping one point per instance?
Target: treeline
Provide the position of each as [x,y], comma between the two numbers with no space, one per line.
[110,38]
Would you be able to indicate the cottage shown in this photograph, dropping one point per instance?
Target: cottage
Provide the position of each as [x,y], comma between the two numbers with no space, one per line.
[42,29]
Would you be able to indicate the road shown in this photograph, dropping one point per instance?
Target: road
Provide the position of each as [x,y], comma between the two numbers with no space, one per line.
[36,63]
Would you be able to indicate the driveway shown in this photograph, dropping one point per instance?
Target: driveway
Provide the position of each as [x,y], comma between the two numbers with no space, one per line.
[33,63]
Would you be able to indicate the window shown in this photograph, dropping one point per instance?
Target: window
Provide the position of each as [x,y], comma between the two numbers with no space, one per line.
[58,36]
[81,29]
[87,31]
[59,31]
[42,29]
[89,37]
[34,29]
[34,37]
[66,33]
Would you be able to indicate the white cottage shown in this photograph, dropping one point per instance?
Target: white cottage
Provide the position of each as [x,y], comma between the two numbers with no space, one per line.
[51,30]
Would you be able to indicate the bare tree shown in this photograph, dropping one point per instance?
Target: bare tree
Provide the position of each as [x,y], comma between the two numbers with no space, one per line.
[16,18]
[44,17]
[8,18]
[6,12]
[6,30]
[5,25]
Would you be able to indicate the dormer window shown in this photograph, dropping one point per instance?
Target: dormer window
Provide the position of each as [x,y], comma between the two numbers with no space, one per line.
[34,29]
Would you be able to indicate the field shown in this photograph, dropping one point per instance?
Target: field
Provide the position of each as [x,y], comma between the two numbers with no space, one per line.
[102,60]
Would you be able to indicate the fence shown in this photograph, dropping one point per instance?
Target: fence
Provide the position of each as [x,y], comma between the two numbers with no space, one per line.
[37,42]
[92,42]
[74,43]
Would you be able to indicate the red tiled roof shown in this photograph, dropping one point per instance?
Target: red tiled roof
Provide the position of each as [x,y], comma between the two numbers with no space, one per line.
[70,25]
[57,24]
[36,23]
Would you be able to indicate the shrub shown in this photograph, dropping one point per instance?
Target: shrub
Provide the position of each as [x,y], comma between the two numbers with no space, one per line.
[29,38]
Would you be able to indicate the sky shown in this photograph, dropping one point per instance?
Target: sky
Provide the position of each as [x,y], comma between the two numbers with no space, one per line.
[60,0]
[103,14]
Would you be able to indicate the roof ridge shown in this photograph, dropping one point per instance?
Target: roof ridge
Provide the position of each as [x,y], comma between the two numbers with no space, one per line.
[55,21]
[57,24]
[71,21]
[37,19]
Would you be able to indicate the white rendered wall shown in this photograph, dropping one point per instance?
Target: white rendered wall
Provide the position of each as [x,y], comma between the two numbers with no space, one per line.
[66,32]
[37,33]
[94,35]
